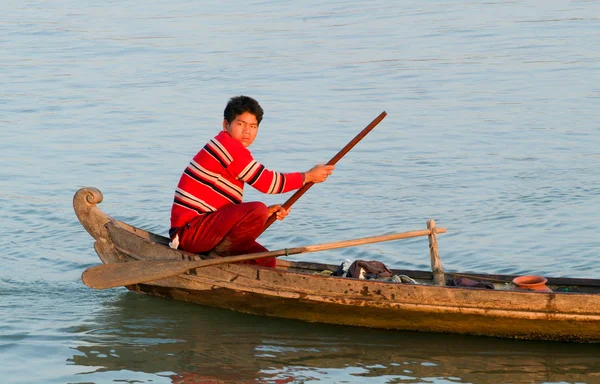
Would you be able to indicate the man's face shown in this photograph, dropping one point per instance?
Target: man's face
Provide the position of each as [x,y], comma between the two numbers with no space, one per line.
[243,128]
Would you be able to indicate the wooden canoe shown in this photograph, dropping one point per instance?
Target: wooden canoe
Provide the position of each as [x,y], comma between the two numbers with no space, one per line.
[295,290]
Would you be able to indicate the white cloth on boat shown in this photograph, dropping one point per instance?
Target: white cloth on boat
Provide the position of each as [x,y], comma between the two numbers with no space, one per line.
[175,242]
[345,266]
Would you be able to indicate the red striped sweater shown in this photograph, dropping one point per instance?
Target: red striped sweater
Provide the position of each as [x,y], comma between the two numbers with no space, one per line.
[215,178]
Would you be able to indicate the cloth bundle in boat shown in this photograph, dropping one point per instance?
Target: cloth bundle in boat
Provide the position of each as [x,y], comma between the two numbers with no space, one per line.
[364,269]
[465,282]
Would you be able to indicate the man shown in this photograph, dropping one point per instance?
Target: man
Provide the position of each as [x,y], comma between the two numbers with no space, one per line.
[208,214]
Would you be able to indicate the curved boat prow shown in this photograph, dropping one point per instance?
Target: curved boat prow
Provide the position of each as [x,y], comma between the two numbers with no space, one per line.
[90,216]
[94,221]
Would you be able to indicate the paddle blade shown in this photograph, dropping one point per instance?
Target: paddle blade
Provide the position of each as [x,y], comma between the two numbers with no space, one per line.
[119,274]
[142,271]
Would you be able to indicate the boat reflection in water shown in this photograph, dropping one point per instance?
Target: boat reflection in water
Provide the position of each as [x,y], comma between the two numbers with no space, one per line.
[159,340]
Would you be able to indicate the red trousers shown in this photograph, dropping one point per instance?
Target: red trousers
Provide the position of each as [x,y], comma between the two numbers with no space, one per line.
[229,231]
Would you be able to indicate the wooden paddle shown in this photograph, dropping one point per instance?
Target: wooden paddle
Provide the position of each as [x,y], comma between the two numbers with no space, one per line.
[134,272]
[334,160]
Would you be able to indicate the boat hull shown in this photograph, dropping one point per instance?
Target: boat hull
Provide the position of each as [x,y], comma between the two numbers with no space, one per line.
[416,308]
[295,290]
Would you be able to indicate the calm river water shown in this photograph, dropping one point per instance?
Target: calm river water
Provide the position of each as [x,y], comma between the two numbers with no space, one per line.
[493,130]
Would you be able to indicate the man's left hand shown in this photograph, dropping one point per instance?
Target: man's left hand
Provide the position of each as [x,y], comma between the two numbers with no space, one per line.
[279,210]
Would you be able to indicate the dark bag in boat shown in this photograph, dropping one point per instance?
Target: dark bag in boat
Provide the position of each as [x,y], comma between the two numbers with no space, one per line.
[464,282]
[372,269]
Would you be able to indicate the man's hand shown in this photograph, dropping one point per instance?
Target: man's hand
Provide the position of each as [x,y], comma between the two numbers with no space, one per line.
[318,173]
[281,212]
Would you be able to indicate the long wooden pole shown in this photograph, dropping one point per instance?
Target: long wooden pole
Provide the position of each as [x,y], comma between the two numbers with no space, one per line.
[333,161]
[113,275]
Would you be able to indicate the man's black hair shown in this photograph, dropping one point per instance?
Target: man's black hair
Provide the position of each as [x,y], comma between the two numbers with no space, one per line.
[240,104]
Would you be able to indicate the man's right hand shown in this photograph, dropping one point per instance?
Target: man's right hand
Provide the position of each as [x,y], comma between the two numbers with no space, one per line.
[318,173]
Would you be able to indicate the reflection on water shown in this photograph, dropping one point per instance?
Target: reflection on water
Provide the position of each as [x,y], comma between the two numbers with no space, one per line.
[180,342]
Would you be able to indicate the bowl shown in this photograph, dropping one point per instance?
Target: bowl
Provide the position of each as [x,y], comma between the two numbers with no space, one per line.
[532,283]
